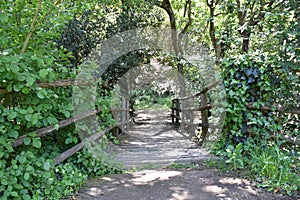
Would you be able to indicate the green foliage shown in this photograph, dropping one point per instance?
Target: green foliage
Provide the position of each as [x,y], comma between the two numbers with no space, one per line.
[47,43]
[274,168]
[245,81]
[93,165]
[149,97]
[235,156]
[256,79]
[28,171]
[182,166]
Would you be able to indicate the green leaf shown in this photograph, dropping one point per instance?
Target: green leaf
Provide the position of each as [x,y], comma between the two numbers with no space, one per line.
[34,119]
[30,80]
[32,134]
[43,73]
[14,68]
[12,115]
[14,194]
[40,95]
[28,117]
[4,182]
[30,168]
[3,17]
[69,141]
[26,197]
[36,143]
[22,111]
[8,147]
[47,166]
[47,175]
[18,87]
[25,90]
[21,77]
[56,127]
[26,176]
[9,88]
[27,141]
[50,120]
[22,159]
[13,133]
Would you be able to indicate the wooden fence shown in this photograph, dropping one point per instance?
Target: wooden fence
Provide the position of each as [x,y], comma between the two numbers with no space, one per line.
[178,114]
[203,108]
[123,119]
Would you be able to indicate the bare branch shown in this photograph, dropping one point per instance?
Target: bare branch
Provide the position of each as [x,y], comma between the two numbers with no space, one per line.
[32,26]
[189,7]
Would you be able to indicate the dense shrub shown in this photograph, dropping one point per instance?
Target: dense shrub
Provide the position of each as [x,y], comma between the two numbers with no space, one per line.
[255,139]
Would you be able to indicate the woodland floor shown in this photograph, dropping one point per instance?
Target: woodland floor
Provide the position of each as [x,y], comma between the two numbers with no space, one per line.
[147,149]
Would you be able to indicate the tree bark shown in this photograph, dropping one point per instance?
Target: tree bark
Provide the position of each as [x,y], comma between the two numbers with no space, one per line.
[212,29]
[166,5]
[252,20]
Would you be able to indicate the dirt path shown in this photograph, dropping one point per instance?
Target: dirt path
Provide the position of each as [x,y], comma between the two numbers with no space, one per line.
[201,184]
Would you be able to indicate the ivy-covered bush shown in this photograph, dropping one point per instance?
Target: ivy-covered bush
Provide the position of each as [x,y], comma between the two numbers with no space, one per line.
[253,139]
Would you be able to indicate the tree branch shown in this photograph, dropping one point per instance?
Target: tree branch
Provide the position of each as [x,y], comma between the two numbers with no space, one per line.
[34,23]
[32,26]
[188,9]
[212,30]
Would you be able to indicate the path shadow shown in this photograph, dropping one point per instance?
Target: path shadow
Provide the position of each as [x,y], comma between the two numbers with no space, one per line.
[206,184]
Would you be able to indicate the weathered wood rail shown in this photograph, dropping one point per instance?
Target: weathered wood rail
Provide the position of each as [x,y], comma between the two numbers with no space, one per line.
[123,121]
[60,83]
[178,114]
[203,108]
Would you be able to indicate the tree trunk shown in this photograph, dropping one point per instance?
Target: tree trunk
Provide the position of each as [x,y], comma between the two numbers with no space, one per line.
[166,5]
[212,30]
[246,41]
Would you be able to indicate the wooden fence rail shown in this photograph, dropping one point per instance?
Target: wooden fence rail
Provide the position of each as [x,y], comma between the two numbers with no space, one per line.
[280,109]
[204,108]
[68,153]
[275,108]
[61,83]
[123,120]
[49,129]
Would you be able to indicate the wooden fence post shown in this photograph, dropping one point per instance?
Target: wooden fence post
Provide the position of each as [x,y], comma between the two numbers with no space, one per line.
[173,110]
[192,128]
[177,111]
[123,113]
[204,116]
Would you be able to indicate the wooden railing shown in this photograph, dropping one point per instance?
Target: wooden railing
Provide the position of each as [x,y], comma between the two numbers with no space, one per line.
[124,120]
[203,108]
[178,114]
[60,83]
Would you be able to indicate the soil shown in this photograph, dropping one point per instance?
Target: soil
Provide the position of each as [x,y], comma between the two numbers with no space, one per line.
[180,184]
